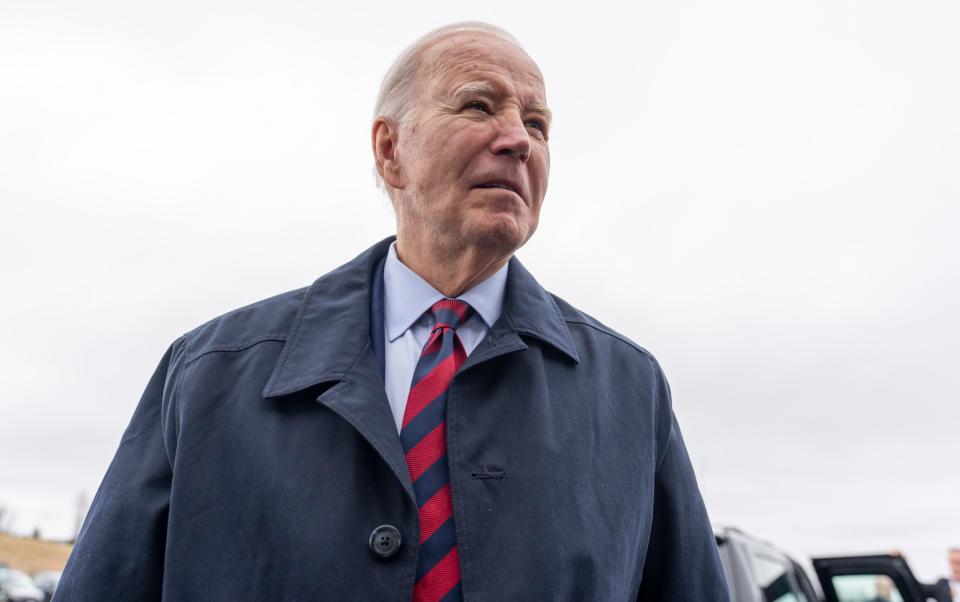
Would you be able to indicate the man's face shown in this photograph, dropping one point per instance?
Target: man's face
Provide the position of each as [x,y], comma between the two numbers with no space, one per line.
[473,152]
[955,564]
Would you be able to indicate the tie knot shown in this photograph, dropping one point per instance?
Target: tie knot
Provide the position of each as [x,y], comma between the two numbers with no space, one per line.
[450,313]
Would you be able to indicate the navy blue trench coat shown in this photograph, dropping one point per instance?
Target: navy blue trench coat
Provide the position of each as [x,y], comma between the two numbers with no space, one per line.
[263,454]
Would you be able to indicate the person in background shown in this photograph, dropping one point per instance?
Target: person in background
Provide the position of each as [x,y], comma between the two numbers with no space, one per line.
[953,558]
[884,588]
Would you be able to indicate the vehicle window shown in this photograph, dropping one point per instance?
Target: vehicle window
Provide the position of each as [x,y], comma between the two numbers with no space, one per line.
[866,588]
[773,576]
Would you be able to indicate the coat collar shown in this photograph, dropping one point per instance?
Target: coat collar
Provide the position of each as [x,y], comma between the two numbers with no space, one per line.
[332,328]
[533,311]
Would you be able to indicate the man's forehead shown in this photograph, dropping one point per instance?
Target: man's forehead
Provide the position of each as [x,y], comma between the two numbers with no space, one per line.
[461,54]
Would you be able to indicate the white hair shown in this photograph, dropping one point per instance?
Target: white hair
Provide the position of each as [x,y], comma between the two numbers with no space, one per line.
[399,87]
[396,90]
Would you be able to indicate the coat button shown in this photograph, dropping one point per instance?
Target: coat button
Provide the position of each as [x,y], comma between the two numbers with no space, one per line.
[385,541]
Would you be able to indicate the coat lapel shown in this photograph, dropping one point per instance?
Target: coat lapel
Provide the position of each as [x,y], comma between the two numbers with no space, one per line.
[330,344]
[361,400]
[528,311]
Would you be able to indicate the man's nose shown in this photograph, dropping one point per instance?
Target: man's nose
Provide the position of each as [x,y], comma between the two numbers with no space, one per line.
[512,138]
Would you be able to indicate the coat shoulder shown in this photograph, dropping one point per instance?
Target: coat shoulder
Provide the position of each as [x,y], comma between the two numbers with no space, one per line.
[578,319]
[269,319]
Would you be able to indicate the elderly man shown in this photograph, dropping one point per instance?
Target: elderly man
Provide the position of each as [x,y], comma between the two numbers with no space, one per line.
[425,422]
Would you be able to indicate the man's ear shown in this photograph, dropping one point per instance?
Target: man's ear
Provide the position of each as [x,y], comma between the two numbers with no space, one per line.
[385,137]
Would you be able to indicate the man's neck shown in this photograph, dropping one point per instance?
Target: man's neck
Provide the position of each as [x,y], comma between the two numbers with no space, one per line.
[451,273]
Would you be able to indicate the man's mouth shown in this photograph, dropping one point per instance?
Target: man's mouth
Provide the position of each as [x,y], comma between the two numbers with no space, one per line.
[500,184]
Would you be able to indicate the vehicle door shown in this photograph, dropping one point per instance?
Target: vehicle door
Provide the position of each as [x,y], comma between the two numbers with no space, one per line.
[880,578]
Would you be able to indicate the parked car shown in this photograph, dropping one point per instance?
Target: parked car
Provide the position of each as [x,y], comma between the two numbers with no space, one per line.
[47,581]
[758,572]
[16,586]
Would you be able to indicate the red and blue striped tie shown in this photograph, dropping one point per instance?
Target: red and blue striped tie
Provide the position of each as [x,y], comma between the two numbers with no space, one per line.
[424,437]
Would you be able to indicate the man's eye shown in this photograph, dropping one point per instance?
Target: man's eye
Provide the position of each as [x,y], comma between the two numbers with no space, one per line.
[536,123]
[478,105]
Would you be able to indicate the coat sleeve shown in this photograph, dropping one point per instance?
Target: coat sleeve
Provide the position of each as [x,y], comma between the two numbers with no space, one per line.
[119,553]
[682,560]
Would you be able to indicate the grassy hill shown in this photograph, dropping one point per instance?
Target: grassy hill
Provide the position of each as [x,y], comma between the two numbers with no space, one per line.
[32,555]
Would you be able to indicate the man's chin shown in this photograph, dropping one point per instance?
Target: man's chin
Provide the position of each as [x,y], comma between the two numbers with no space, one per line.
[501,234]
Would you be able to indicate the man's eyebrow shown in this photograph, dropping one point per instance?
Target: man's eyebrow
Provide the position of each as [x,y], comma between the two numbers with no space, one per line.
[539,107]
[489,89]
[477,89]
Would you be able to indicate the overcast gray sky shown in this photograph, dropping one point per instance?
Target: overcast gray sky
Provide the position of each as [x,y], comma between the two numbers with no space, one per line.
[764,194]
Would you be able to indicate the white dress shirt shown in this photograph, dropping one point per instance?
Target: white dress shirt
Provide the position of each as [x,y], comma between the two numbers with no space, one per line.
[407,323]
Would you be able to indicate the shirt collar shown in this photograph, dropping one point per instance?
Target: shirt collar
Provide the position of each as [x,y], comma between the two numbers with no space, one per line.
[331,329]
[407,296]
